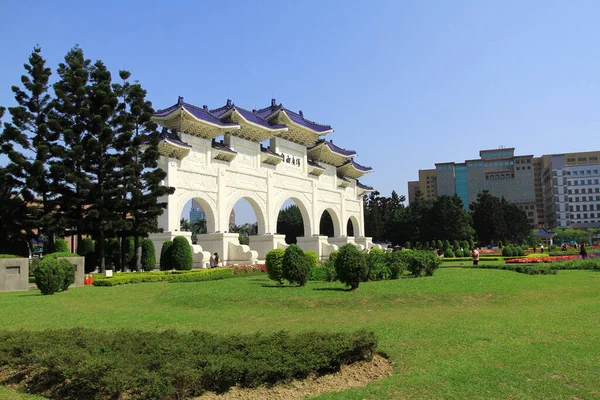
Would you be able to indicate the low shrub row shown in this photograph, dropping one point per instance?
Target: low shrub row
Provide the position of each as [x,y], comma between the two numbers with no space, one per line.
[530,269]
[142,277]
[85,364]
[482,258]
[347,265]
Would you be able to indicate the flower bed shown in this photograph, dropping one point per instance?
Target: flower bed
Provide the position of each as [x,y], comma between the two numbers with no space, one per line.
[246,269]
[530,260]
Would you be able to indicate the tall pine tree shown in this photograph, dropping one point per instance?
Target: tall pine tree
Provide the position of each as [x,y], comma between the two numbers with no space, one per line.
[70,119]
[29,130]
[141,178]
[101,159]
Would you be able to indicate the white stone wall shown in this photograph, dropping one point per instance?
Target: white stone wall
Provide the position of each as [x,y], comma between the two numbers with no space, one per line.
[218,185]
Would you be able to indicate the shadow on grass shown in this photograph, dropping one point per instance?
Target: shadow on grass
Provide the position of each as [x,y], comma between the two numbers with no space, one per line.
[276,286]
[331,289]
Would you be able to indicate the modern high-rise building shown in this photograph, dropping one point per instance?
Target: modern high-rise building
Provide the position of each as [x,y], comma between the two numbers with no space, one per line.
[546,187]
[196,212]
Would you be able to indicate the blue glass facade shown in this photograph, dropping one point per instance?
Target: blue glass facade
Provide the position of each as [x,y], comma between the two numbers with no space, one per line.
[461,184]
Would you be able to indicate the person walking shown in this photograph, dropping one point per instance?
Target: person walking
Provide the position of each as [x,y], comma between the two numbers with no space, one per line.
[475,256]
[583,251]
[214,260]
[541,248]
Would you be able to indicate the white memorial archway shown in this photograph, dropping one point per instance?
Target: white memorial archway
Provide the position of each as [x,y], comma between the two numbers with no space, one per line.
[297,164]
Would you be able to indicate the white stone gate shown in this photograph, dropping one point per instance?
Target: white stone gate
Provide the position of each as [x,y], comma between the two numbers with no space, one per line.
[297,164]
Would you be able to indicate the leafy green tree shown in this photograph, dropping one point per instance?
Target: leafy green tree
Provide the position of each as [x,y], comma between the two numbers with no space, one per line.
[184,225]
[290,224]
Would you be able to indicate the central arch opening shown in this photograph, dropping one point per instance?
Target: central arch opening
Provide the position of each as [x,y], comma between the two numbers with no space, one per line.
[196,218]
[243,221]
[290,221]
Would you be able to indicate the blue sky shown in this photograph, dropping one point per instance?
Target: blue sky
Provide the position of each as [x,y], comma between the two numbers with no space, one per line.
[405,84]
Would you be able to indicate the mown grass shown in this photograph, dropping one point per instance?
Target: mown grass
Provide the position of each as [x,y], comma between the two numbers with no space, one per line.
[463,333]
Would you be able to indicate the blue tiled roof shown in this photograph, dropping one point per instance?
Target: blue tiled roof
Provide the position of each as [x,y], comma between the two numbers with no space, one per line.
[222,147]
[334,148]
[268,151]
[296,117]
[260,117]
[249,116]
[360,185]
[343,179]
[200,113]
[357,166]
[172,137]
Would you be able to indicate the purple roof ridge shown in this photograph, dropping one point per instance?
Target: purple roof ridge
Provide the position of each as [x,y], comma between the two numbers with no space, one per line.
[315,164]
[269,151]
[334,148]
[360,185]
[249,116]
[199,112]
[357,166]
[297,117]
[222,146]
[173,137]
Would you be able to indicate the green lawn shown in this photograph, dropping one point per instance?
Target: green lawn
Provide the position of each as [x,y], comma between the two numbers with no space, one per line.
[464,333]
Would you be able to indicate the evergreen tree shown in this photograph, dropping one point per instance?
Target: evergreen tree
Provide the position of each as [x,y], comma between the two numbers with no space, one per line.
[290,223]
[70,120]
[101,159]
[29,132]
[140,175]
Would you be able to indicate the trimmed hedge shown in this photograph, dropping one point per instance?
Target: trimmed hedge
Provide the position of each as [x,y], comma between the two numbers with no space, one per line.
[148,255]
[165,256]
[530,269]
[145,277]
[101,364]
[181,254]
[492,258]
[313,258]
[273,263]
[61,246]
[9,256]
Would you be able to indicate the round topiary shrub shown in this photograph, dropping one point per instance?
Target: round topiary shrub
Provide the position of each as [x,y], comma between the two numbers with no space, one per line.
[166,262]
[273,263]
[61,246]
[520,251]
[50,275]
[351,267]
[69,273]
[295,265]
[148,255]
[87,249]
[181,254]
[313,258]
[507,251]
[448,252]
[333,255]
[406,245]
[459,253]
